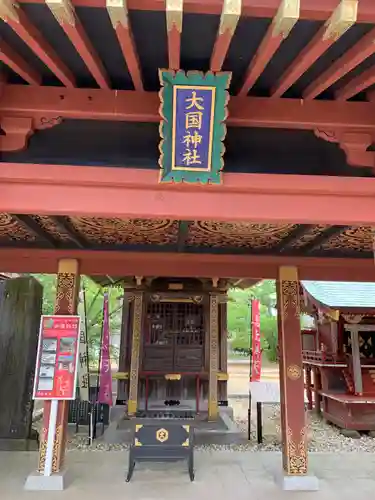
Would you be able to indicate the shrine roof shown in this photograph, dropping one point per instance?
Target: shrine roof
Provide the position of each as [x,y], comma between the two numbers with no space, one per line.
[342,294]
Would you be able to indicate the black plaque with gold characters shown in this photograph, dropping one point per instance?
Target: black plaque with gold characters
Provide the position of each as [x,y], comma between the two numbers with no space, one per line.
[161,440]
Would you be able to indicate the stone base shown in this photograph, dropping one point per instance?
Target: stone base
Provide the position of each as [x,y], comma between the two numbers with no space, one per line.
[298,483]
[38,482]
[350,433]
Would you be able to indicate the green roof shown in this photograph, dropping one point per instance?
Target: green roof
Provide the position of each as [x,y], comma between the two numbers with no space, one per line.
[338,294]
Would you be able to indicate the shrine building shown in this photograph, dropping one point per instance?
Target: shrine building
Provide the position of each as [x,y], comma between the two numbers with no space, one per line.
[180,147]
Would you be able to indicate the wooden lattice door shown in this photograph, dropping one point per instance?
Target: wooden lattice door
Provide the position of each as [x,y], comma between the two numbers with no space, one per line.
[174,337]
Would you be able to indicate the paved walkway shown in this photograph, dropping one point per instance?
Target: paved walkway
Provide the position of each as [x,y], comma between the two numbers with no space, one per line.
[219,475]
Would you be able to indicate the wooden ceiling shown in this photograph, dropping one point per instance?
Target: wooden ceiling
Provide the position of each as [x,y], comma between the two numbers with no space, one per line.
[165,235]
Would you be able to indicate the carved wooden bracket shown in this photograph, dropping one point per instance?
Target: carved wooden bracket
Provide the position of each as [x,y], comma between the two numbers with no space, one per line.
[18,130]
[354,144]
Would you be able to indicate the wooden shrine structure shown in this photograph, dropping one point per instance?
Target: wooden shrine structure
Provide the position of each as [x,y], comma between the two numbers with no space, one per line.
[340,364]
[174,352]
[250,155]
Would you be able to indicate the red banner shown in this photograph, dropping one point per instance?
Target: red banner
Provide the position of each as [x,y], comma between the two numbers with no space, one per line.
[105,376]
[256,365]
[56,364]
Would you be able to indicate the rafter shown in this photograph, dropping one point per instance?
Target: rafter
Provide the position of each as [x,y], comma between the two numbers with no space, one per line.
[67,227]
[118,14]
[322,238]
[64,13]
[342,66]
[230,16]
[20,100]
[293,236]
[30,225]
[310,9]
[343,17]
[14,16]
[362,82]
[18,65]
[174,15]
[280,28]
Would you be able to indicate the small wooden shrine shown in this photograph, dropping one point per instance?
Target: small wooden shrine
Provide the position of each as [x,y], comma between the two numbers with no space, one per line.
[177,322]
[341,352]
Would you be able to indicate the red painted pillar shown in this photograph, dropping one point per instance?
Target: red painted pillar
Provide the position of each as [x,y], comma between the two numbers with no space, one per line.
[67,288]
[308,388]
[293,419]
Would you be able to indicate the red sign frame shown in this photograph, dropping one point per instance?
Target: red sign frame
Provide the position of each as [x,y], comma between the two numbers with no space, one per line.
[256,361]
[57,358]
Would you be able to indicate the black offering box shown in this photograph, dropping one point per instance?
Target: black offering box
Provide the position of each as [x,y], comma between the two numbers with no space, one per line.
[162,436]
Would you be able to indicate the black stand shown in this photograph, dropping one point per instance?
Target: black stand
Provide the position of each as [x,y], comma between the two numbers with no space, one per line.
[259,423]
[249,419]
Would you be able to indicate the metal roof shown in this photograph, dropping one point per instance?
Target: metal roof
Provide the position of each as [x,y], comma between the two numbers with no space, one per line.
[342,294]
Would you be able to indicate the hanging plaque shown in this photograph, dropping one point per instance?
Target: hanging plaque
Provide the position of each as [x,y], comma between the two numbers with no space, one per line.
[193,113]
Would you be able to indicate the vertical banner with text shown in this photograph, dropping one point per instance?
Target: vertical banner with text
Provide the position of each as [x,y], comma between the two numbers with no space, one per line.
[105,376]
[255,342]
[83,372]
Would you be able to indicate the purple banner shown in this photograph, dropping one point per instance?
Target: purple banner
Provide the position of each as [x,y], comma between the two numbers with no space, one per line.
[105,376]
[193,121]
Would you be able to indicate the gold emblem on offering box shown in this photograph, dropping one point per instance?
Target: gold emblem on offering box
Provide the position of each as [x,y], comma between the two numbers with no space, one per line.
[162,435]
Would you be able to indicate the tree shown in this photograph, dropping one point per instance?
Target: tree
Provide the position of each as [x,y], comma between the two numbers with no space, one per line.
[239,317]
[94,309]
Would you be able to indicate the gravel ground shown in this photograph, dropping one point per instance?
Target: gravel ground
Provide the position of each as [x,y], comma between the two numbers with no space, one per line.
[323,437]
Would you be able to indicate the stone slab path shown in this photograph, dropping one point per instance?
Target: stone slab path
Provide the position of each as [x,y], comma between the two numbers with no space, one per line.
[220,475]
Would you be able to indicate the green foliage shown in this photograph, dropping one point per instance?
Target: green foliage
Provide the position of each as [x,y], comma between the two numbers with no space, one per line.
[239,318]
[94,308]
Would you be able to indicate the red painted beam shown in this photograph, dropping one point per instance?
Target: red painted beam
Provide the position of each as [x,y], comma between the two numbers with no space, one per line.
[220,50]
[18,65]
[20,100]
[311,53]
[263,55]
[185,265]
[174,14]
[342,66]
[362,82]
[310,9]
[133,193]
[118,15]
[18,21]
[174,48]
[230,16]
[65,15]
[280,28]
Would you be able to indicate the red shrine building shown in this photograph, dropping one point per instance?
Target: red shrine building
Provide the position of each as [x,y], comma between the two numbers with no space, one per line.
[180,147]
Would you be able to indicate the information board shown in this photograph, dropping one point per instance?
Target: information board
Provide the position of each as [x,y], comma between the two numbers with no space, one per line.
[56,365]
[266,392]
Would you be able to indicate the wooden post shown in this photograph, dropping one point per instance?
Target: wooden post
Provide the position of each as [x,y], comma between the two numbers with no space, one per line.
[317,383]
[66,302]
[214,356]
[356,360]
[308,388]
[122,385]
[293,422]
[134,360]
[223,350]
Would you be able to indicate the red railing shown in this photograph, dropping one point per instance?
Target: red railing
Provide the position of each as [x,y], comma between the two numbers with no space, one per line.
[320,356]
